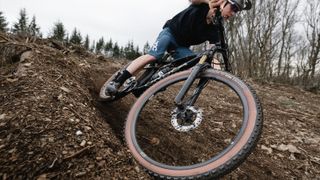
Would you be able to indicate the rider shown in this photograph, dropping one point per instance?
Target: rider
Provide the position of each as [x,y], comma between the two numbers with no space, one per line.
[189,27]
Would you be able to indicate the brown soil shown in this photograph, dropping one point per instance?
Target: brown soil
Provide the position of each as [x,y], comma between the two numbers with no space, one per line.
[52,126]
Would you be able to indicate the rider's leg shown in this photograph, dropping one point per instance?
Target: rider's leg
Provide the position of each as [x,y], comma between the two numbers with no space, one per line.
[182,52]
[139,63]
[156,52]
[133,68]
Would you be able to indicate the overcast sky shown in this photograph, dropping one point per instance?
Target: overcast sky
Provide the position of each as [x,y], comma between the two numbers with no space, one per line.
[121,20]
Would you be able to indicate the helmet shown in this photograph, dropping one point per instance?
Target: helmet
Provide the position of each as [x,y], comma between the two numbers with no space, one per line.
[241,4]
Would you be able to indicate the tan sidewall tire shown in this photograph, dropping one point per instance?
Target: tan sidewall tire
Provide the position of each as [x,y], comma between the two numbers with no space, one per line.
[247,140]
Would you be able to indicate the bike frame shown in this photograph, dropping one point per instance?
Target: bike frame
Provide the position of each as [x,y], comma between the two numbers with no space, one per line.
[198,62]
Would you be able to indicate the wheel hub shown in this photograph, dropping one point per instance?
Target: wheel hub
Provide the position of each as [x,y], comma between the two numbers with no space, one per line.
[187,119]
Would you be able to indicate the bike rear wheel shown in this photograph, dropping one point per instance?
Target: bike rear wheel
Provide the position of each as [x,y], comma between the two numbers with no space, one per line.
[222,128]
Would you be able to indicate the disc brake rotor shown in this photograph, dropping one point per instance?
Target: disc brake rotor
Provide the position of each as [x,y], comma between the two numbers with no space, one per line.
[179,123]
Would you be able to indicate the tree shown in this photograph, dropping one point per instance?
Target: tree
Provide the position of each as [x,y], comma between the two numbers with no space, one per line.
[3,23]
[100,45]
[288,21]
[33,28]
[116,50]
[76,37]
[108,46]
[137,53]
[87,42]
[59,32]
[21,27]
[313,35]
[146,48]
[93,46]
[130,52]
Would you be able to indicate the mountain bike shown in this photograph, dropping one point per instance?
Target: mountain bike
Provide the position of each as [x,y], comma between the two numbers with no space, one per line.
[191,121]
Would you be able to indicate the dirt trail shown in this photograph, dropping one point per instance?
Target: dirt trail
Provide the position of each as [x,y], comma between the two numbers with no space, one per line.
[52,126]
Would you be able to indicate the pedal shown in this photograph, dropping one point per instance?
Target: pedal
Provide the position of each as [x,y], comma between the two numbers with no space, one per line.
[129,84]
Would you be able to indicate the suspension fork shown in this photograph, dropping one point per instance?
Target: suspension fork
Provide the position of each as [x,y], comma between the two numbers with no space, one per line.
[186,86]
[202,83]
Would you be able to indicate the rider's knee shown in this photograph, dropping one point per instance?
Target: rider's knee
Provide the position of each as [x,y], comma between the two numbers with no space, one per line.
[149,58]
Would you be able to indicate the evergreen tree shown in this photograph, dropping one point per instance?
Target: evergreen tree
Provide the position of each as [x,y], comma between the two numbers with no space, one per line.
[33,28]
[87,42]
[59,32]
[3,23]
[21,27]
[130,52]
[93,46]
[108,46]
[116,50]
[146,48]
[122,54]
[100,45]
[76,37]
[137,53]
[67,40]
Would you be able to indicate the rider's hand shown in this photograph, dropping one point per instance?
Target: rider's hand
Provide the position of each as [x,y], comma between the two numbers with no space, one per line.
[210,15]
[213,4]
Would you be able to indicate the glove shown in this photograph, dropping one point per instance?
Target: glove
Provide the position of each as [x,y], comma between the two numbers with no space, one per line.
[213,4]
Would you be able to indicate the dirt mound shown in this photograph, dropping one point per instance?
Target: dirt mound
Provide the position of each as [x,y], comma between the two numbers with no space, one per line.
[52,126]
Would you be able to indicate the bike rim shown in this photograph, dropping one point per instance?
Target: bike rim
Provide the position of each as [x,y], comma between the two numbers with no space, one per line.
[218,160]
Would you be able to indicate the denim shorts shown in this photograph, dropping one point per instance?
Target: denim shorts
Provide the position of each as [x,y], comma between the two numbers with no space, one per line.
[167,42]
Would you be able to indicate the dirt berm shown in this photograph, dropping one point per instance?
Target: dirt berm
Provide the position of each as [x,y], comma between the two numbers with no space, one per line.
[53,127]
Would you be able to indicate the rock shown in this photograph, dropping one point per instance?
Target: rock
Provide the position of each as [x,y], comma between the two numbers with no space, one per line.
[79,174]
[309,140]
[2,116]
[292,157]
[234,125]
[83,143]
[155,141]
[273,146]
[280,155]
[91,166]
[25,56]
[291,148]
[65,89]
[137,169]
[27,64]
[12,80]
[269,150]
[79,133]
[51,139]
[282,147]
[60,97]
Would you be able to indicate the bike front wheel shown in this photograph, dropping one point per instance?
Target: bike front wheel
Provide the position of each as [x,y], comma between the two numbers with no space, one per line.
[208,138]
